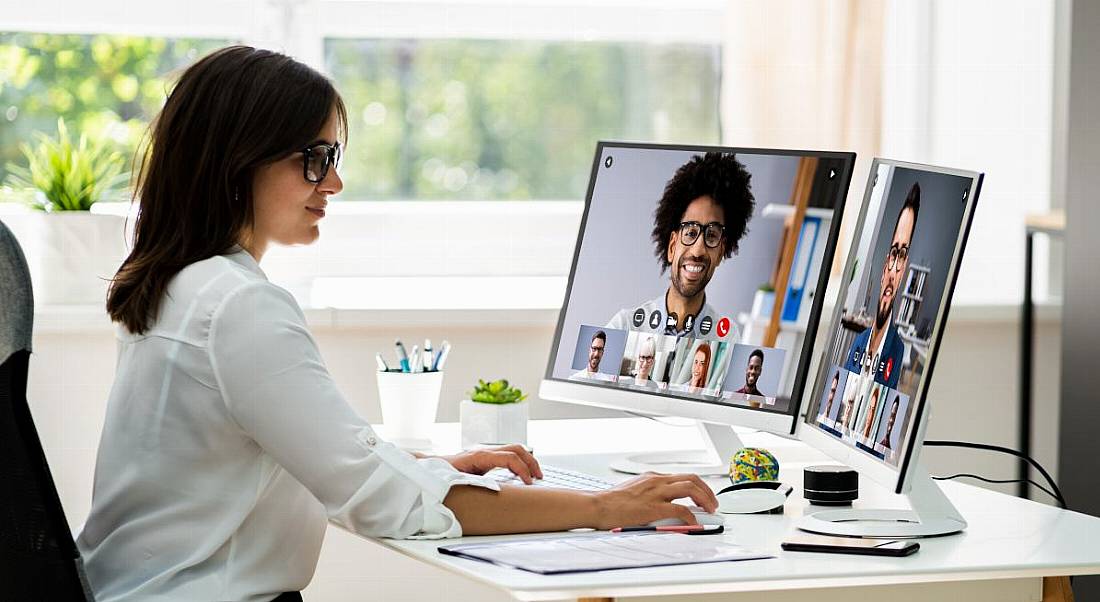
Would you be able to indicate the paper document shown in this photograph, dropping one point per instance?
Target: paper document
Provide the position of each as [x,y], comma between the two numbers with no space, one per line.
[603,551]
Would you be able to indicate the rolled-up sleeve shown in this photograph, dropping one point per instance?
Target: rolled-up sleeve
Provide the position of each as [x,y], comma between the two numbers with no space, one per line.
[278,391]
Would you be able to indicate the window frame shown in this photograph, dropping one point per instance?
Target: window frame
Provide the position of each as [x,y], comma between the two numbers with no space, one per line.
[300,29]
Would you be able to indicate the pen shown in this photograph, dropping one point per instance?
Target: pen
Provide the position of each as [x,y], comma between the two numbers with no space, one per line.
[414,359]
[428,362]
[444,351]
[402,357]
[382,367]
[669,528]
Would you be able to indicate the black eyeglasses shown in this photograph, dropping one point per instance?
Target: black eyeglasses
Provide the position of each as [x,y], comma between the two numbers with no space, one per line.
[898,255]
[712,233]
[318,158]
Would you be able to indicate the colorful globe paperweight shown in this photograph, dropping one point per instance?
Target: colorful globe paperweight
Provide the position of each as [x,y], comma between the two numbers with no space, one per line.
[753,464]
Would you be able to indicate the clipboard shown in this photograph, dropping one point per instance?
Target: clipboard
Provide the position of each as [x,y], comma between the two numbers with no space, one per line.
[602,551]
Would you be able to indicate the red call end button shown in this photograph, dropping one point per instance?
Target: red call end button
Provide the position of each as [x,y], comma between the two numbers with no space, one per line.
[723,327]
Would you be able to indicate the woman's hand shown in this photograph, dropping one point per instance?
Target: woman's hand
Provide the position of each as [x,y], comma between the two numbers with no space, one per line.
[513,457]
[648,497]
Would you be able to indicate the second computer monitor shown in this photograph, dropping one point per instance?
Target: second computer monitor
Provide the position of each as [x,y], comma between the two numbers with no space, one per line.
[697,281]
[867,407]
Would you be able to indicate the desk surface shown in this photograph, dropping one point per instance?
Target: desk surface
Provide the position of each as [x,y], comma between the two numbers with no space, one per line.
[1007,537]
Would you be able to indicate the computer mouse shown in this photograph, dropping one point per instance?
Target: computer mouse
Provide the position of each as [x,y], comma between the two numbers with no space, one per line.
[702,517]
[754,497]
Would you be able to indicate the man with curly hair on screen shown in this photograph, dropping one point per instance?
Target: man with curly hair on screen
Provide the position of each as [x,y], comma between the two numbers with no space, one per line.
[702,215]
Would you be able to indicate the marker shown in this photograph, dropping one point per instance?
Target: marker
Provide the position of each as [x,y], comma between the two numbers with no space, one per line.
[669,528]
[428,359]
[402,357]
[444,351]
[382,367]
[414,359]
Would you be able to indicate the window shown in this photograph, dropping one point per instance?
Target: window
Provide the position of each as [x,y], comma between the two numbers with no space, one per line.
[978,97]
[510,119]
[102,85]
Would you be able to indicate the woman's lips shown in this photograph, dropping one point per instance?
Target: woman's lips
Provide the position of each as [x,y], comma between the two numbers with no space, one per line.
[318,212]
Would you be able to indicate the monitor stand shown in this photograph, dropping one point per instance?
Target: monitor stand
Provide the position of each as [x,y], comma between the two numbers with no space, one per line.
[932,514]
[721,441]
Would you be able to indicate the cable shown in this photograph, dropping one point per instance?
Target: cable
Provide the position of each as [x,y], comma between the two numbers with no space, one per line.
[968,475]
[1056,493]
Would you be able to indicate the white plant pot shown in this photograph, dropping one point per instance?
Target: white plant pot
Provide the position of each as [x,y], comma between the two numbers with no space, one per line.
[492,423]
[762,304]
[77,255]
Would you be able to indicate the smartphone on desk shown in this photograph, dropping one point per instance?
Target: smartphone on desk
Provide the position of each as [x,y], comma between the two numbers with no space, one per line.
[850,545]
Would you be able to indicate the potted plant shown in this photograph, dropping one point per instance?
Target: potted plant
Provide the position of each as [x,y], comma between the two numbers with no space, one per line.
[763,301]
[494,413]
[79,251]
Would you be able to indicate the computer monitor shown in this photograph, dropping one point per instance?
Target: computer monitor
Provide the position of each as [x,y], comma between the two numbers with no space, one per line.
[697,281]
[868,406]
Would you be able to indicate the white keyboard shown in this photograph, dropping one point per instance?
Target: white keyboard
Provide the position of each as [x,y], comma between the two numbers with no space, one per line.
[553,477]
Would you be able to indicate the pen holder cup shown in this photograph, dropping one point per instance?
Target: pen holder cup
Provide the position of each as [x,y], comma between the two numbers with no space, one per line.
[409,402]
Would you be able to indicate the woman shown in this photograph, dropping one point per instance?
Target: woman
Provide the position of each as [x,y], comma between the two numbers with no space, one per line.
[226,445]
[647,355]
[700,365]
[846,408]
[869,421]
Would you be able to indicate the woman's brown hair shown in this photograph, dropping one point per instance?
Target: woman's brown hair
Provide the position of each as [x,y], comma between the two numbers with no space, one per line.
[233,111]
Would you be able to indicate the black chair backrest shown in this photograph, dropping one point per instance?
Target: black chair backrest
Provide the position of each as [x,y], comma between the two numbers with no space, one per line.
[38,558]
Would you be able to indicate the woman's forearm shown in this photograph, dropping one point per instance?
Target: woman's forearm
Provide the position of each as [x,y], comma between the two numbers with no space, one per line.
[483,511]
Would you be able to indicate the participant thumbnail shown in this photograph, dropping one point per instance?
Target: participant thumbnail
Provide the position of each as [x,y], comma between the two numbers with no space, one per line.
[892,427]
[598,353]
[754,375]
[645,362]
[866,421]
[832,398]
[851,399]
[698,365]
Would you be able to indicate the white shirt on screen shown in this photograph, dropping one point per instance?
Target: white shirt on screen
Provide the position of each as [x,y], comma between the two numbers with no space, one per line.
[624,319]
[227,447]
[634,381]
[586,375]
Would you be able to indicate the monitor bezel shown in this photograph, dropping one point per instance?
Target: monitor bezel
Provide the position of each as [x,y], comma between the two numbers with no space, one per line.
[664,403]
[899,478]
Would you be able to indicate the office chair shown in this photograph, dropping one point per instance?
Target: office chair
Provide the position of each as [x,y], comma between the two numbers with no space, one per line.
[38,558]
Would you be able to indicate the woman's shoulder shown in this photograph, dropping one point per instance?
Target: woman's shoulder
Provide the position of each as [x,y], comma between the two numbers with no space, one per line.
[202,290]
[213,278]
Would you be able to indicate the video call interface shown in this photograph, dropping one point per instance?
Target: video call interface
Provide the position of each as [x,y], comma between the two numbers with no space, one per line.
[697,273]
[879,350]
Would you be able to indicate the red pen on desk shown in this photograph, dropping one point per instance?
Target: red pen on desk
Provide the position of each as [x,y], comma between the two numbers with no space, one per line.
[670,528]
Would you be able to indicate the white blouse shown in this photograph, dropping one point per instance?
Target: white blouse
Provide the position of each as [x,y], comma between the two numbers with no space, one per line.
[227,447]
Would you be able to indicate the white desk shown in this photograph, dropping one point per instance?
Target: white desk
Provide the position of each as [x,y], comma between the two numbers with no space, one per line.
[1010,545]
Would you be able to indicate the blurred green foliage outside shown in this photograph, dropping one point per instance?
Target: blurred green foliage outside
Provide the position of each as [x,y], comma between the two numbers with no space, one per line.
[430,119]
[106,86]
[491,119]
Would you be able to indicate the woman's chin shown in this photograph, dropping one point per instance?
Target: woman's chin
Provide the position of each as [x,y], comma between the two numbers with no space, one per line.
[307,237]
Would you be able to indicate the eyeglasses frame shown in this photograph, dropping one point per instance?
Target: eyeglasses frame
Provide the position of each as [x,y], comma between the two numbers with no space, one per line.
[702,233]
[333,154]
